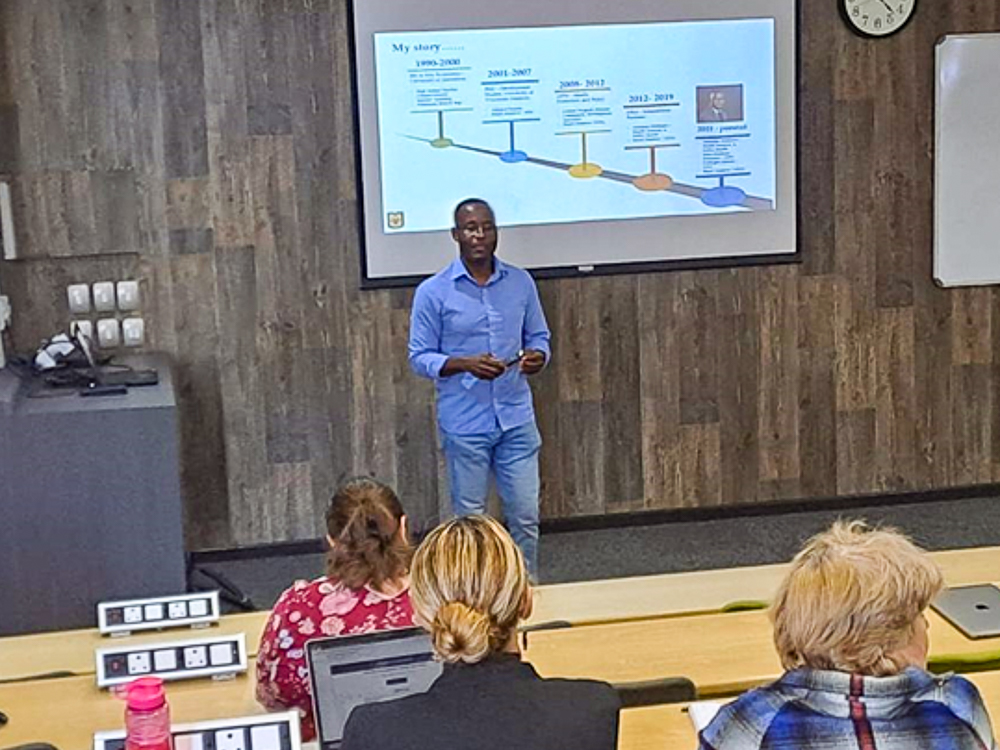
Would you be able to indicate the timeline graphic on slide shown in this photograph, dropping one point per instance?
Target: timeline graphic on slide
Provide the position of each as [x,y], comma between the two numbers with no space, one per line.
[577,123]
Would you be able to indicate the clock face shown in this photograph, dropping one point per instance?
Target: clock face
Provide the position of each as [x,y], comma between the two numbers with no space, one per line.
[878,17]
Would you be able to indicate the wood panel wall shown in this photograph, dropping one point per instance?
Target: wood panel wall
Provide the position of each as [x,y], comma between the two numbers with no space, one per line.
[207,148]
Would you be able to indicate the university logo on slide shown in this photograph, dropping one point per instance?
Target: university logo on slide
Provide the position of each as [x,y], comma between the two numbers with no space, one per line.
[396,219]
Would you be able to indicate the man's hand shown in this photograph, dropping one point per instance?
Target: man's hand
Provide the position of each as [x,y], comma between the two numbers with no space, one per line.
[532,361]
[483,366]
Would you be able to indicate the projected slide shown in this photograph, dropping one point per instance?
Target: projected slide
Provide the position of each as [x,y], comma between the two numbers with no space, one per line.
[577,123]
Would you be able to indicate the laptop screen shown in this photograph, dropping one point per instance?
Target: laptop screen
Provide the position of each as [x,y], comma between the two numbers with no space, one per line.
[347,671]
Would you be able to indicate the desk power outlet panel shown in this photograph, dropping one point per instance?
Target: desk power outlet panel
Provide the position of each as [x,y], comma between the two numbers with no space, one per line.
[158,613]
[219,656]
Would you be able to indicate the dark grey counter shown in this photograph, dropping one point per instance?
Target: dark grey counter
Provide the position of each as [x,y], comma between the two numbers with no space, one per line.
[90,502]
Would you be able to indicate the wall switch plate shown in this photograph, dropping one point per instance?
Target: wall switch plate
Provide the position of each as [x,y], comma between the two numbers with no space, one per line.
[120,664]
[128,295]
[104,296]
[108,333]
[78,296]
[157,613]
[133,331]
[82,328]
[278,731]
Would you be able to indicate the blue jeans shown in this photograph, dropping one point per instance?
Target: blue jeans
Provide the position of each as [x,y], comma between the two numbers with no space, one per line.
[513,457]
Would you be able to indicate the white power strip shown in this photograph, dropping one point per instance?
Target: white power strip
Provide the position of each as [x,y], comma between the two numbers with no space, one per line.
[267,732]
[222,655]
[158,613]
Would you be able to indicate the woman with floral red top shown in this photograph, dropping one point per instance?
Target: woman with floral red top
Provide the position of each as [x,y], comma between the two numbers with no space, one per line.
[366,588]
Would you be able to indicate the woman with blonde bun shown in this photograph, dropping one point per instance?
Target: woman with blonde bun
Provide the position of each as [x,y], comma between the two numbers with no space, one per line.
[469,589]
[850,630]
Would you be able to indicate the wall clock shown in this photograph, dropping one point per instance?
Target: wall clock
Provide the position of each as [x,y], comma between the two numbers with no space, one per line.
[877,18]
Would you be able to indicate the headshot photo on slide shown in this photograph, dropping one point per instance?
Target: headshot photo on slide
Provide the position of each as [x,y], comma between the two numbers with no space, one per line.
[722,103]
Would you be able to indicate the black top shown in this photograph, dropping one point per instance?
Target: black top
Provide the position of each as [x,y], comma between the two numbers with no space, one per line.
[499,704]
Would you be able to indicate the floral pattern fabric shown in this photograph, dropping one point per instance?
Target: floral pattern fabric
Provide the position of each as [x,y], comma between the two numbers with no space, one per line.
[316,609]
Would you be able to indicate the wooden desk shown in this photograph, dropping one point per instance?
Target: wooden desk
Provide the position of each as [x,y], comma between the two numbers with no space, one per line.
[724,654]
[590,602]
[67,712]
[656,728]
[673,594]
[82,709]
[73,650]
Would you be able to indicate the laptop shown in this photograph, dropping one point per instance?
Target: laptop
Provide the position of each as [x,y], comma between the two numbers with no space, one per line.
[975,610]
[349,671]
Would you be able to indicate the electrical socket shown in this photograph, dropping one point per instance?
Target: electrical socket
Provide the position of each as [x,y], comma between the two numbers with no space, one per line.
[139,663]
[231,739]
[133,614]
[195,656]
[176,610]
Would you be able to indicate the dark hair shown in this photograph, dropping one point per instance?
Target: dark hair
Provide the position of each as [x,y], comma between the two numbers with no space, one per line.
[470,202]
[363,521]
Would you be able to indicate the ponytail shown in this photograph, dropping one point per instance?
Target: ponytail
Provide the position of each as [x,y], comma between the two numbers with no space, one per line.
[364,522]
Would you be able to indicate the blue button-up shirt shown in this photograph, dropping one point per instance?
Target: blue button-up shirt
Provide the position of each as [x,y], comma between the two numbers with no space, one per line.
[453,316]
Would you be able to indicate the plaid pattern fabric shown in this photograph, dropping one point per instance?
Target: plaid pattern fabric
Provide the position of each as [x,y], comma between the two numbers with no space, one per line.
[818,710]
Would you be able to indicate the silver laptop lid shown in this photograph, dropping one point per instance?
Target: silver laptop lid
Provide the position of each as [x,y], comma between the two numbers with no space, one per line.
[348,671]
[975,610]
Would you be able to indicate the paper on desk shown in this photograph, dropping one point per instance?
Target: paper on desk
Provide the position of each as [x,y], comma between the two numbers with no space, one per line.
[702,713]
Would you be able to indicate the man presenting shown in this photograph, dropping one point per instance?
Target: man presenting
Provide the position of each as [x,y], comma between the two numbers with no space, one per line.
[477,329]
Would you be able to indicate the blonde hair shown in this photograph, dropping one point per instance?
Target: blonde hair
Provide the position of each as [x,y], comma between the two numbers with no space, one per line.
[469,588]
[851,600]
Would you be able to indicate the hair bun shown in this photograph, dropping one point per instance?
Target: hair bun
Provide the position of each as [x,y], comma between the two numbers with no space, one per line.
[461,633]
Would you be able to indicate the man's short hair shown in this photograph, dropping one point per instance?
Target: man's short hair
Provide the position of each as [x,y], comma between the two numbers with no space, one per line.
[469,202]
[851,599]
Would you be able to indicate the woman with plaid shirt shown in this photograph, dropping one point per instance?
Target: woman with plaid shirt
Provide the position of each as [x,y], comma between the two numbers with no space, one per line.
[850,629]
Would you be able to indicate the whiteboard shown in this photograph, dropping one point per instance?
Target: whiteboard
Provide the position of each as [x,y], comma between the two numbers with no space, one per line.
[967,160]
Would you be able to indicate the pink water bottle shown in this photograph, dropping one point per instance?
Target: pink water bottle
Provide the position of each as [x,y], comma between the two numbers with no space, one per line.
[147,716]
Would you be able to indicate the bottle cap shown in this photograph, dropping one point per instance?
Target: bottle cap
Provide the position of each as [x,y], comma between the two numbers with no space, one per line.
[145,694]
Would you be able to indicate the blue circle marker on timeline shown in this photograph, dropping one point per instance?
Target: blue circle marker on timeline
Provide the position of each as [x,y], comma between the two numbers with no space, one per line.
[723,196]
[513,156]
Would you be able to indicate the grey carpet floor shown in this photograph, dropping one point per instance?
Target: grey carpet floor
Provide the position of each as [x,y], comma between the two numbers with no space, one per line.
[680,546]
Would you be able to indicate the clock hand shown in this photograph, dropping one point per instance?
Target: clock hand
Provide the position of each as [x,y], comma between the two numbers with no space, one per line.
[887,6]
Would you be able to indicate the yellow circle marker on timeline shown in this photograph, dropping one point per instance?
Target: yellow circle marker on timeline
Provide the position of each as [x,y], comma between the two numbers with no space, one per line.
[586,170]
